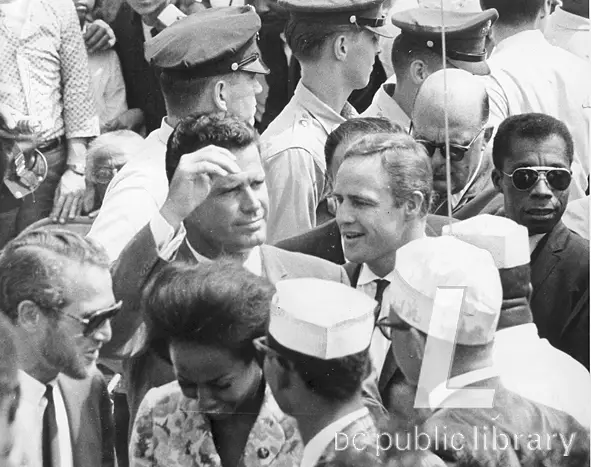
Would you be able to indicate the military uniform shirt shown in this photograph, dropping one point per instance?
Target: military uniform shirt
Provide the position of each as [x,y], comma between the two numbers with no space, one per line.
[292,149]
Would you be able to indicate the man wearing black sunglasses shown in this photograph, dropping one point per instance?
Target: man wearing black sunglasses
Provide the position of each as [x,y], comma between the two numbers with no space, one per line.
[56,288]
[467,112]
[532,155]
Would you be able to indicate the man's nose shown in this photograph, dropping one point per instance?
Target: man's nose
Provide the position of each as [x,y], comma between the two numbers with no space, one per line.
[541,188]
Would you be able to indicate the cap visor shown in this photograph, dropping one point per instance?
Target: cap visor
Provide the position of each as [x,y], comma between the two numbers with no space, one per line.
[256,67]
[476,68]
[380,31]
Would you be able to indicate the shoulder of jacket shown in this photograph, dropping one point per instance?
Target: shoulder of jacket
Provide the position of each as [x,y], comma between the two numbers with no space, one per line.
[296,132]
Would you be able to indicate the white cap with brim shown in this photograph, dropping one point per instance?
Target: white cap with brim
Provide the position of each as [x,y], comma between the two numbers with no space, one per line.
[426,268]
[321,319]
[503,238]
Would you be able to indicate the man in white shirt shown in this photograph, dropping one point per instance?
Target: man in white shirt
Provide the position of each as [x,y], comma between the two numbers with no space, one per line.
[446,303]
[57,291]
[528,365]
[528,74]
[416,54]
[204,69]
[383,192]
[316,356]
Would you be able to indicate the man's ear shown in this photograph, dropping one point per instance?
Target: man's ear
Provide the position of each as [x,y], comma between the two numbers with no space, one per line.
[340,47]
[488,134]
[496,177]
[413,205]
[418,72]
[29,316]
[220,98]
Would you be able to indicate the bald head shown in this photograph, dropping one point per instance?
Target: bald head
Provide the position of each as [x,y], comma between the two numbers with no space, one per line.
[467,109]
[467,99]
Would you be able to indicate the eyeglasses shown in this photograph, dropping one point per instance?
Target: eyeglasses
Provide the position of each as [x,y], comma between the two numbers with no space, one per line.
[456,152]
[386,326]
[262,349]
[525,178]
[97,319]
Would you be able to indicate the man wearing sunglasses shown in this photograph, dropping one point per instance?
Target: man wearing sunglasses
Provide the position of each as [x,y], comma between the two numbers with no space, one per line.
[56,288]
[532,155]
[464,97]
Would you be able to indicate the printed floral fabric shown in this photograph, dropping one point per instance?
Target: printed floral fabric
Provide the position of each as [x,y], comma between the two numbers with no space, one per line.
[169,431]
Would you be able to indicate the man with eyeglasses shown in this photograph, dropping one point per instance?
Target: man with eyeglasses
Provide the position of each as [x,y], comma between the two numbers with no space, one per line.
[56,289]
[463,97]
[533,154]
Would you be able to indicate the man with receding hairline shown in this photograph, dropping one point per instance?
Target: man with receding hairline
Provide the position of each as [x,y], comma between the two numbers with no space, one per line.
[465,99]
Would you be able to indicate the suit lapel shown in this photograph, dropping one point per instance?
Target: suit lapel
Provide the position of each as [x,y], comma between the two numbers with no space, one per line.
[548,258]
[273,267]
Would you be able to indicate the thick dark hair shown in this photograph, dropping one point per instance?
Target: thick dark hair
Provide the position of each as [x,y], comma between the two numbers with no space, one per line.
[404,160]
[200,130]
[32,267]
[407,49]
[219,304]
[531,126]
[514,12]
[306,38]
[337,379]
[357,127]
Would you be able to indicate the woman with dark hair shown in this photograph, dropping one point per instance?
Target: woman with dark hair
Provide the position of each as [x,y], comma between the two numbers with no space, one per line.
[220,410]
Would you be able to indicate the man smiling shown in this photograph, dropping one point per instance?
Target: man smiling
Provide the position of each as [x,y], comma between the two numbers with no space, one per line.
[533,154]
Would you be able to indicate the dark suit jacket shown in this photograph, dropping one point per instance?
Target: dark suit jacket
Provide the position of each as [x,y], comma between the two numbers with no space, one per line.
[515,417]
[137,263]
[324,241]
[141,81]
[560,300]
[91,421]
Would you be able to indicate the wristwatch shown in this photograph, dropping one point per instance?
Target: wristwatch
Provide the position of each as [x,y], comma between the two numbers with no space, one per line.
[78,169]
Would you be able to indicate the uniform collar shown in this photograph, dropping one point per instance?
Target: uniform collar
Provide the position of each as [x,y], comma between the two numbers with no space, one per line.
[316,446]
[326,116]
[566,20]
[448,388]
[384,99]
[521,39]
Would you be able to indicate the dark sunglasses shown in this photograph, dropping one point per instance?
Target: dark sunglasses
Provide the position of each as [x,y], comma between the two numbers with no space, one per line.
[525,178]
[262,349]
[456,152]
[386,326]
[97,319]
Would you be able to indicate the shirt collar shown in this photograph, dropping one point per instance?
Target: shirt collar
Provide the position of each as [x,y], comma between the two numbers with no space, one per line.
[164,131]
[447,388]
[570,21]
[367,276]
[519,333]
[32,390]
[326,116]
[521,39]
[316,446]
[385,100]
[253,263]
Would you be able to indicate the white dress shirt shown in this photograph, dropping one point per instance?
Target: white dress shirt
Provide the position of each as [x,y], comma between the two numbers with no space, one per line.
[528,74]
[570,32]
[108,88]
[534,369]
[318,444]
[29,424]
[135,194]
[168,243]
[380,346]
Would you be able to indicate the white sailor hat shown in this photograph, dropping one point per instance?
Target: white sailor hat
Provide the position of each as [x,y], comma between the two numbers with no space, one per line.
[504,239]
[422,293]
[321,319]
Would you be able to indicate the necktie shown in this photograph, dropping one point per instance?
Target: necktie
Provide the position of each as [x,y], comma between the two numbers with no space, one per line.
[381,285]
[49,436]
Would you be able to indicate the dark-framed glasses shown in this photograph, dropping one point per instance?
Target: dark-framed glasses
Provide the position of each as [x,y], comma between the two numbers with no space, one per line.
[456,151]
[386,325]
[525,178]
[95,320]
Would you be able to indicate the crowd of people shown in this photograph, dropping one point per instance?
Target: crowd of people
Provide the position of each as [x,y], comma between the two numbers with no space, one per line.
[294,233]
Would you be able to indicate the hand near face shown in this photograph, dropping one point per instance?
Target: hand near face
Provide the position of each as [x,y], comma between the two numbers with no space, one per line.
[193,179]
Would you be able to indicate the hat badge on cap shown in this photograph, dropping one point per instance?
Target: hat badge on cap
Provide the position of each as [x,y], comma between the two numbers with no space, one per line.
[430,44]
